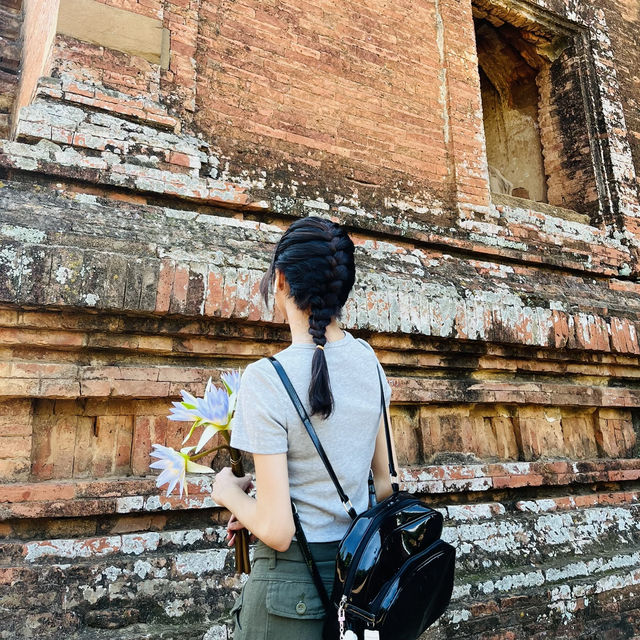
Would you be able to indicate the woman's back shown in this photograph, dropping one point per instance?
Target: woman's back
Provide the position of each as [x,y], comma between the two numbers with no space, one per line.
[266,422]
[336,378]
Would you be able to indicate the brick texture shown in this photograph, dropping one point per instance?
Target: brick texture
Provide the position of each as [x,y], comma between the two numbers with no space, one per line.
[140,202]
[10,45]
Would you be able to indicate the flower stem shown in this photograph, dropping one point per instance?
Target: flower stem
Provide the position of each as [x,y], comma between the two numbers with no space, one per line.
[208,451]
[242,536]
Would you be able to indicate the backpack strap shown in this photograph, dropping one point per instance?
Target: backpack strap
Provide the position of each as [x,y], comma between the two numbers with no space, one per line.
[308,558]
[392,467]
[346,503]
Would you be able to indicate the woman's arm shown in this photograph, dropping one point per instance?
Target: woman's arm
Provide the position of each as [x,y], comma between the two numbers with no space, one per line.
[268,516]
[380,462]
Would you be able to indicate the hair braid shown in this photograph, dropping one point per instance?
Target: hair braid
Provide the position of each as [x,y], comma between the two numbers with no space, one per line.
[324,305]
[316,257]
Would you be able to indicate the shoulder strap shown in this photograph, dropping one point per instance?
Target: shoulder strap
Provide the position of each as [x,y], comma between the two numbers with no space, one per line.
[346,503]
[308,558]
[392,467]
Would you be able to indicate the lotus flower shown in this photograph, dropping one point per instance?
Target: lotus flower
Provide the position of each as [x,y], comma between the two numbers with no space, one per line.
[174,465]
[184,411]
[213,411]
[231,381]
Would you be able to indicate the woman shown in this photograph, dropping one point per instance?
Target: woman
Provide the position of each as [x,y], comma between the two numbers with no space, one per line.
[312,272]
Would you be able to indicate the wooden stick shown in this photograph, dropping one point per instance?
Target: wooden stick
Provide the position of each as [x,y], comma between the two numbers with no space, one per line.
[242,538]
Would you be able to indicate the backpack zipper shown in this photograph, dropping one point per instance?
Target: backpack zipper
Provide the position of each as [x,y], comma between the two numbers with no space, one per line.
[358,612]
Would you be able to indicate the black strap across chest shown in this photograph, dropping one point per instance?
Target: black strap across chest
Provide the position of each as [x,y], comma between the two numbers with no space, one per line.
[304,416]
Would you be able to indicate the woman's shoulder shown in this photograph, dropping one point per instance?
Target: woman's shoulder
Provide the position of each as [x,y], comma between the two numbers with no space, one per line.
[362,341]
[259,372]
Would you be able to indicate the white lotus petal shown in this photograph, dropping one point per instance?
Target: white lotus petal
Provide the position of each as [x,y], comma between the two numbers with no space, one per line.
[194,467]
[207,434]
[160,464]
[165,476]
[172,484]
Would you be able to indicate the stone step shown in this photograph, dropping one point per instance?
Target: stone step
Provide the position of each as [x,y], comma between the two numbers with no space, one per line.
[544,556]
[583,608]
[154,631]
[492,536]
[599,572]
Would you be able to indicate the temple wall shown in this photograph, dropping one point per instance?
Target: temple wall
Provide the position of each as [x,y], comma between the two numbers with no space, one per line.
[142,190]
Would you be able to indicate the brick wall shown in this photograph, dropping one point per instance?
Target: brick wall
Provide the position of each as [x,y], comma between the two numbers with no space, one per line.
[10,52]
[38,32]
[139,205]
[623,17]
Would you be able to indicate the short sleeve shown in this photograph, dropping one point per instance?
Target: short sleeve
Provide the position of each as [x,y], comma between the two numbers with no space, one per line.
[386,387]
[258,424]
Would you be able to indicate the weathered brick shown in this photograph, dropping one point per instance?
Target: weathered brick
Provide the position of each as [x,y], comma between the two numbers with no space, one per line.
[509,328]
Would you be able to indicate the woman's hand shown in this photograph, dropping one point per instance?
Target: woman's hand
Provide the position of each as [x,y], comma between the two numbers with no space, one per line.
[235,525]
[268,516]
[226,482]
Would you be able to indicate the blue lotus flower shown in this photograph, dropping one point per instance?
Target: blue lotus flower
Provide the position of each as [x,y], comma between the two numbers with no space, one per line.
[186,410]
[213,408]
[213,411]
[231,381]
[175,465]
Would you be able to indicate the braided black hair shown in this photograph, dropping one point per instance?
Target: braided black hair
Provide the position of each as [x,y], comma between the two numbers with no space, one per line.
[316,257]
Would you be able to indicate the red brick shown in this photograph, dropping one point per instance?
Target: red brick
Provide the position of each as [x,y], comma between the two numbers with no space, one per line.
[621,476]
[183,160]
[15,446]
[512,482]
[13,469]
[165,286]
[37,491]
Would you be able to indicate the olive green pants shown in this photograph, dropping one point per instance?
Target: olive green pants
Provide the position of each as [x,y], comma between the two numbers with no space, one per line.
[279,600]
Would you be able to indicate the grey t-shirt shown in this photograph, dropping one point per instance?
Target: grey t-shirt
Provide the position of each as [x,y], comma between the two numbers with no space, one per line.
[266,422]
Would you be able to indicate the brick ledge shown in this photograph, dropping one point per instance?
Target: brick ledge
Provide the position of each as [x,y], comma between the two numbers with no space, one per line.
[512,475]
[69,498]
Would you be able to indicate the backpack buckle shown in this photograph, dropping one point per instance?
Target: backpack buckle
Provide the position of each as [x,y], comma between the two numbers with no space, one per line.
[348,507]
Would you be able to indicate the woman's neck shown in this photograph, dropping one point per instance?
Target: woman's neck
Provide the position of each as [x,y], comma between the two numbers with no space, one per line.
[299,326]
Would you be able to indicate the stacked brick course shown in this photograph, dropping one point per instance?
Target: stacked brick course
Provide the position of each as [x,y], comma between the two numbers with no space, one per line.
[139,205]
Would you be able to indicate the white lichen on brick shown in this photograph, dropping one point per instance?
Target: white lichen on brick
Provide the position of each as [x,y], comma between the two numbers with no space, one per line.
[92,595]
[177,607]
[318,205]
[217,632]
[112,573]
[475,511]
[129,504]
[200,562]
[511,582]
[72,548]
[138,543]
[458,615]
[23,234]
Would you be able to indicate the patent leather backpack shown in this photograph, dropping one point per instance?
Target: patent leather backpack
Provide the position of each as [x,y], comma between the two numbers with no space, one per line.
[394,574]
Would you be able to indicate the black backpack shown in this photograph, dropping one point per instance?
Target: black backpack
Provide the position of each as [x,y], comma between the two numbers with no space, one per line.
[394,575]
